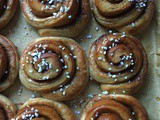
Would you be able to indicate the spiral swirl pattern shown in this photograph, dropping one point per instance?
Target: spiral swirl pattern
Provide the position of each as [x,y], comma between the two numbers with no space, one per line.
[57,17]
[7,108]
[8,63]
[42,109]
[130,16]
[114,107]
[118,62]
[54,66]
[7,10]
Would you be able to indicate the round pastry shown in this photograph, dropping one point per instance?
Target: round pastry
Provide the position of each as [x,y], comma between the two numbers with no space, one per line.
[54,66]
[8,63]
[43,109]
[66,18]
[7,109]
[130,16]
[7,10]
[114,107]
[118,62]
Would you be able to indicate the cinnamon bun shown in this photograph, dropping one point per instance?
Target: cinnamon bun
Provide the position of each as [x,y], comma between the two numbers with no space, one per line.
[7,10]
[43,109]
[130,16]
[114,107]
[7,108]
[54,66]
[65,18]
[118,62]
[9,60]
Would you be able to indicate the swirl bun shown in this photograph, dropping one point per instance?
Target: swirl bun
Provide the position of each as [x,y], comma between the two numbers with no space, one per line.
[118,62]
[43,109]
[7,10]
[9,59]
[55,66]
[7,108]
[130,16]
[66,18]
[114,107]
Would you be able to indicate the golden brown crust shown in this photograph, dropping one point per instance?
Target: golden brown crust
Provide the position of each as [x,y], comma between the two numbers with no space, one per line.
[7,13]
[65,23]
[41,109]
[9,60]
[64,72]
[119,63]
[114,107]
[131,17]
[7,108]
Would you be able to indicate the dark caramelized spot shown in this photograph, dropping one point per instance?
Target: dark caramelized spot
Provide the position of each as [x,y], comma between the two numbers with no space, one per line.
[115,1]
[3,115]
[2,6]
[3,62]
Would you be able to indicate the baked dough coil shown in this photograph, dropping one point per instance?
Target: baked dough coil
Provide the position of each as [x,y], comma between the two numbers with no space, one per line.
[114,107]
[7,10]
[43,109]
[54,66]
[130,16]
[119,63]
[66,18]
[9,60]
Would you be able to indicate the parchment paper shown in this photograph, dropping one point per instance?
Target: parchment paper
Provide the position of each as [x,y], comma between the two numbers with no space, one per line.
[22,34]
